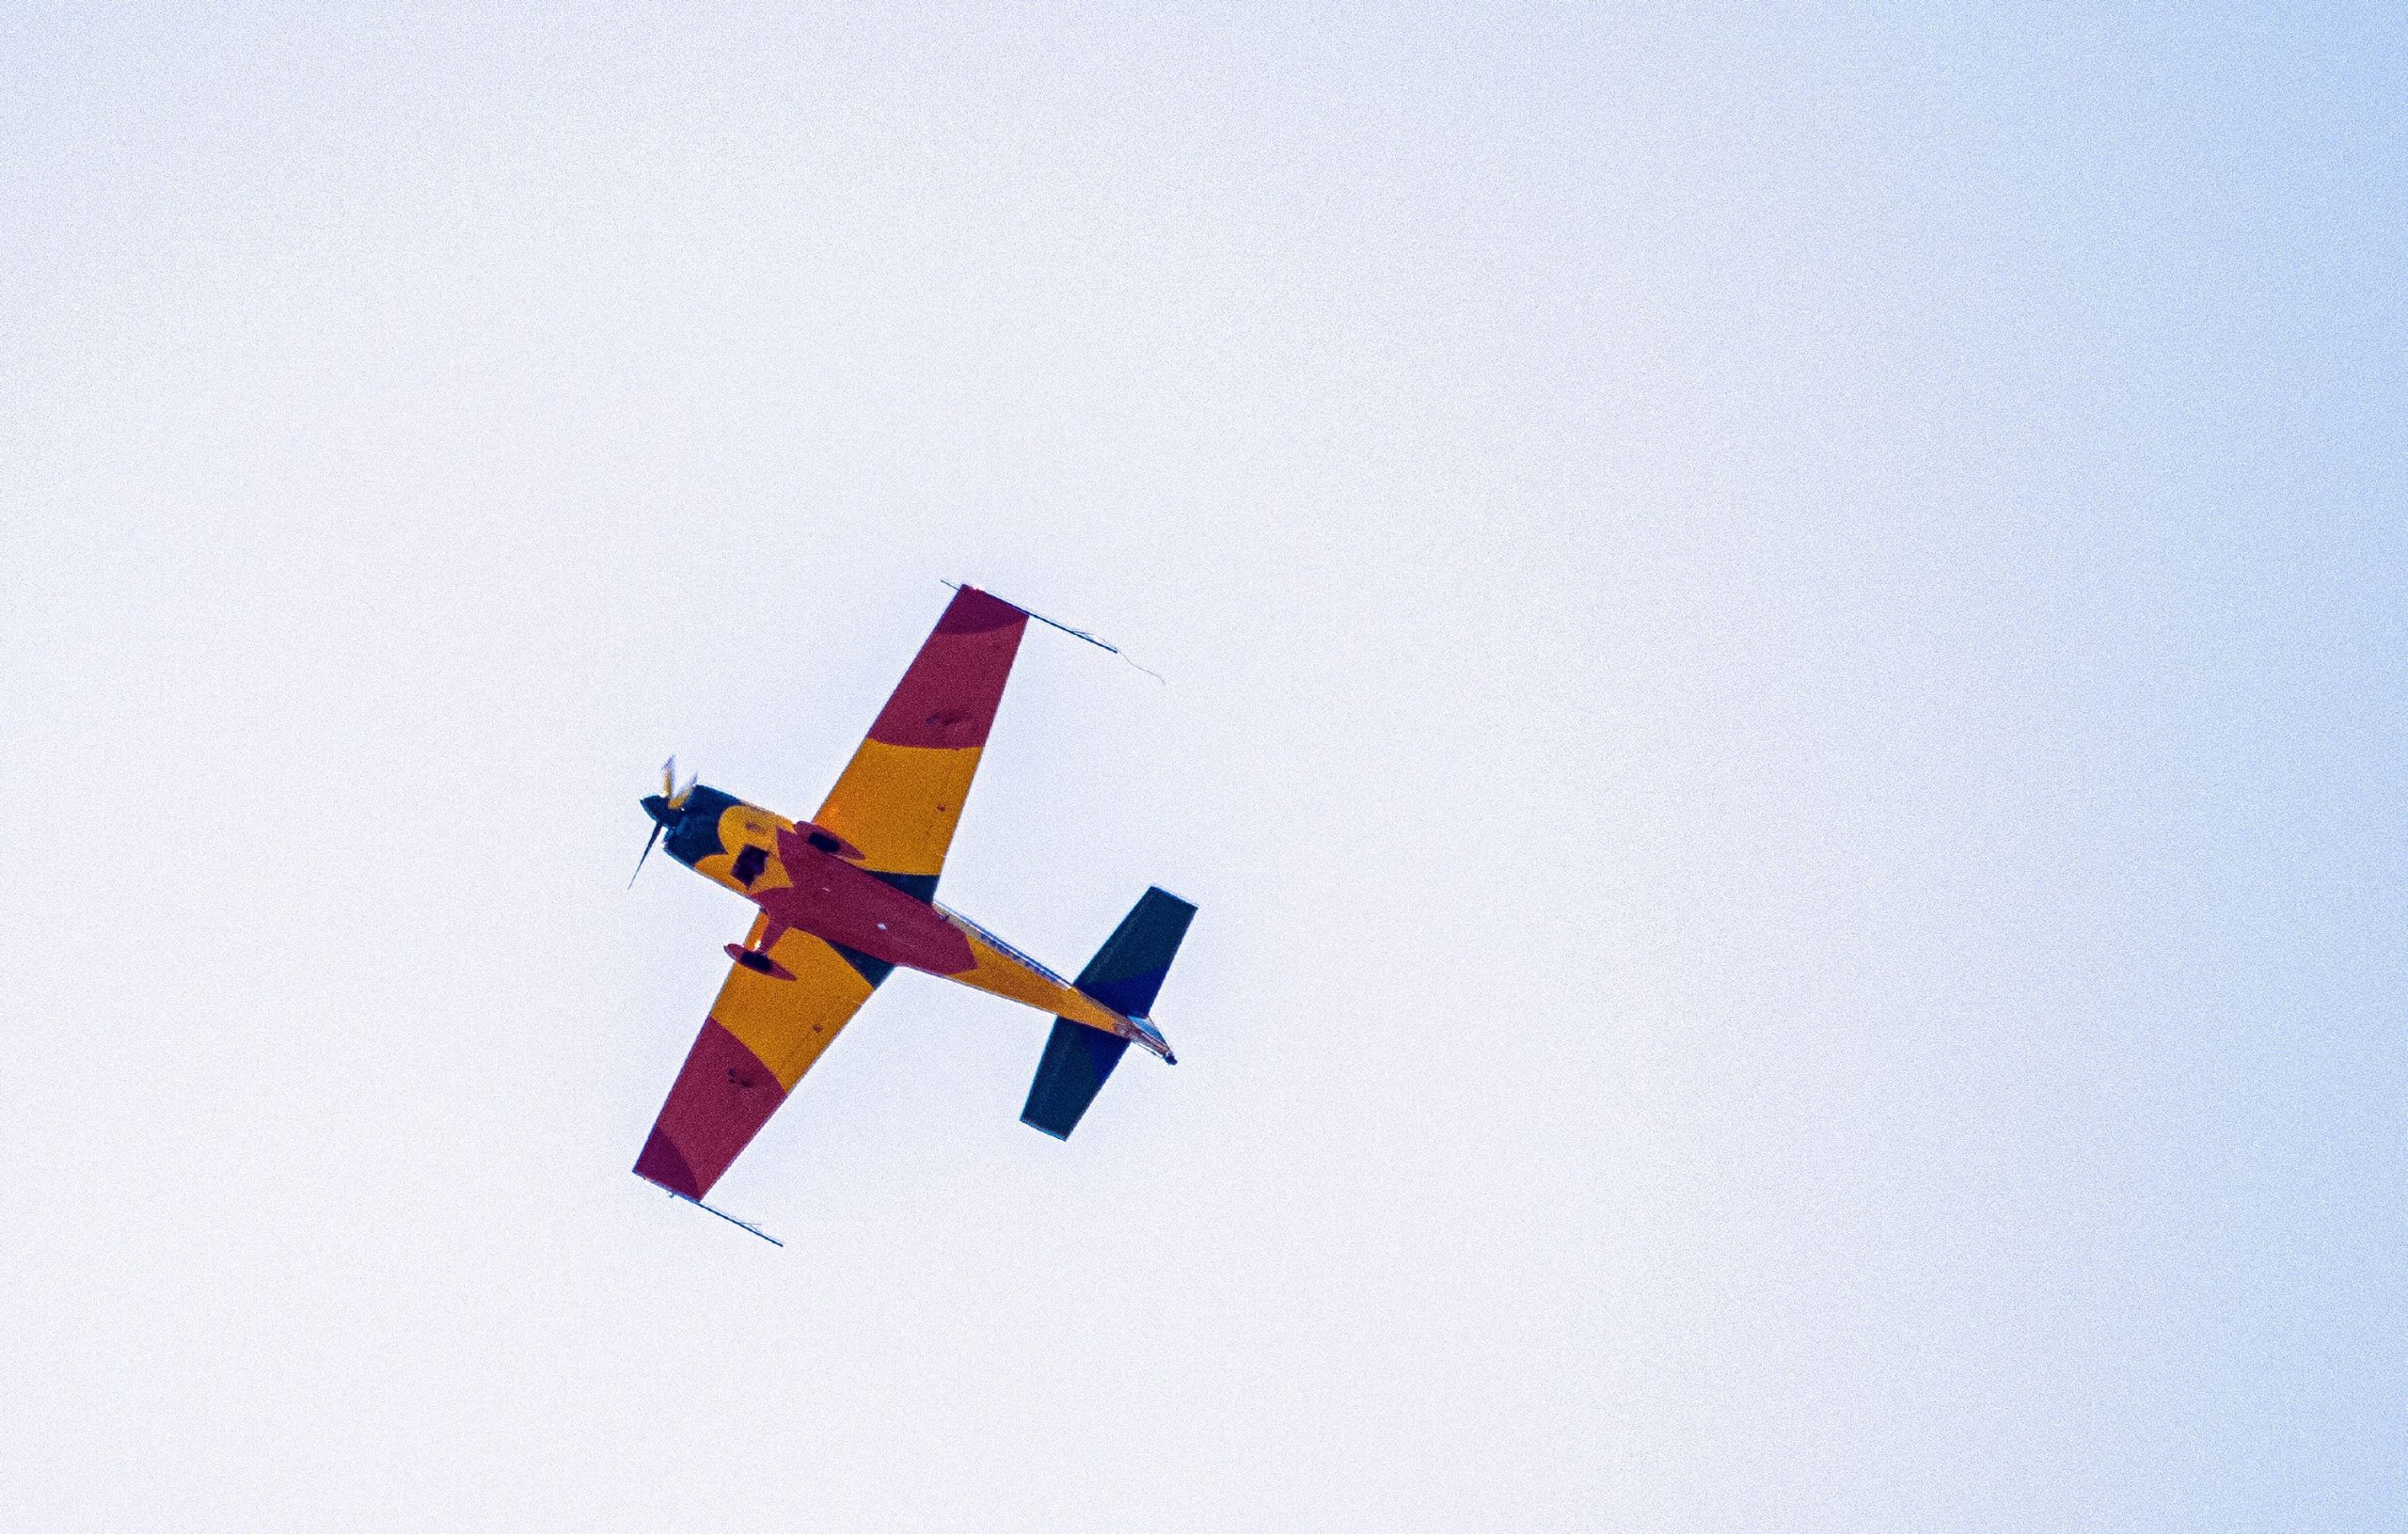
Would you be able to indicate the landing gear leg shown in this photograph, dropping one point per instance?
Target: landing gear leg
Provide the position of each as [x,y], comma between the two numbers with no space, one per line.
[758,960]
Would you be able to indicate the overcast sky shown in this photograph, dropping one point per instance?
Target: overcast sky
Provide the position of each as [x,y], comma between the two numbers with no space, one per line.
[1783,639]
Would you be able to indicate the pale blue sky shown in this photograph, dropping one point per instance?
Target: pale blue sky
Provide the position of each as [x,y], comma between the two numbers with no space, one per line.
[1785,647]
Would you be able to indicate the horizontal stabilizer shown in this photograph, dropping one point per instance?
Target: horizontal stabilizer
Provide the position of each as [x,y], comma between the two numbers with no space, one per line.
[1078,1061]
[1125,975]
[1127,972]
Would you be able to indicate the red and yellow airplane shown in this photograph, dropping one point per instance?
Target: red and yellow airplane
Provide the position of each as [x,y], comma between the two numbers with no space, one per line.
[850,894]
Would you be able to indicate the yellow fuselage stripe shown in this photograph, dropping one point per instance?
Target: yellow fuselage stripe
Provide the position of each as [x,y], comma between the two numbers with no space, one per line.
[997,968]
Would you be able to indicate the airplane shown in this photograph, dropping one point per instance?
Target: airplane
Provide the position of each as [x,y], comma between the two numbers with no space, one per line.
[850,895]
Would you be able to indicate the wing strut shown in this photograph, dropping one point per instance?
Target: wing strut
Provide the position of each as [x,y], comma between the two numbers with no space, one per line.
[730,1219]
[1105,645]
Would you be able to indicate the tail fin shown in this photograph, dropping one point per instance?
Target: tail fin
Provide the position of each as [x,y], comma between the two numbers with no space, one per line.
[1125,975]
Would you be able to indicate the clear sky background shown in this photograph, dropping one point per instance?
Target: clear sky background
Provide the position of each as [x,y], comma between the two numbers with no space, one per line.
[1785,639]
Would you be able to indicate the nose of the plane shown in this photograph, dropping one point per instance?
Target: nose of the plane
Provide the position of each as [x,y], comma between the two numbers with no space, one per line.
[656,807]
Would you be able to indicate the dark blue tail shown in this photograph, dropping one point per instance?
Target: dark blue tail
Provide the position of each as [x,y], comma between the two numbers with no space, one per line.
[1125,975]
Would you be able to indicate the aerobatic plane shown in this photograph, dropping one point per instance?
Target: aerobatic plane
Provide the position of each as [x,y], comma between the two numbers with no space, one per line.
[849,895]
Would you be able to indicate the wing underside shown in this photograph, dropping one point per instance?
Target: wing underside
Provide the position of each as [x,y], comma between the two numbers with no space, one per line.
[897,801]
[901,795]
[760,1037]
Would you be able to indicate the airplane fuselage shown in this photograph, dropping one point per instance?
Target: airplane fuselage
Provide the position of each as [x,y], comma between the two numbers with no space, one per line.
[805,880]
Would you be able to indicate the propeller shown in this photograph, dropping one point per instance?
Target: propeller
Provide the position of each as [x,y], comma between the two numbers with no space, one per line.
[671,803]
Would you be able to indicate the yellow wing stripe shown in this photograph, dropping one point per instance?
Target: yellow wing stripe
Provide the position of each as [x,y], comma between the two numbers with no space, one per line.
[899,804]
[788,1023]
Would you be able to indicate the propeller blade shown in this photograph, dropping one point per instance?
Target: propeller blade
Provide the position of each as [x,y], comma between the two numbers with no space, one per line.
[648,852]
[677,800]
[668,779]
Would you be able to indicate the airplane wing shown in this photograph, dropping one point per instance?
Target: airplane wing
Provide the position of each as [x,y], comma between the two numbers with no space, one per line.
[762,1034]
[901,794]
